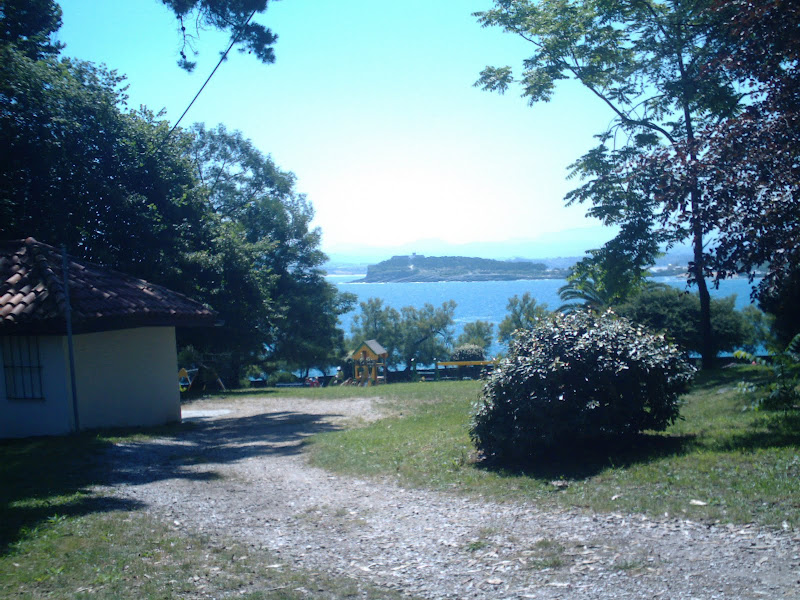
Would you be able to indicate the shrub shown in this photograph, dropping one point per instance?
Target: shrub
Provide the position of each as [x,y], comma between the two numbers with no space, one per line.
[468,352]
[783,392]
[578,378]
[281,377]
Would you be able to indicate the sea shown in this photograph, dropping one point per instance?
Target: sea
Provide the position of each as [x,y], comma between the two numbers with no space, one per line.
[487,300]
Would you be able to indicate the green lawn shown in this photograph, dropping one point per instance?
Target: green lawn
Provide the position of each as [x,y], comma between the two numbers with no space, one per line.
[719,463]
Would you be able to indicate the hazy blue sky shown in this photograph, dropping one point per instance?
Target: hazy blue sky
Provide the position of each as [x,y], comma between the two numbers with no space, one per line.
[371,105]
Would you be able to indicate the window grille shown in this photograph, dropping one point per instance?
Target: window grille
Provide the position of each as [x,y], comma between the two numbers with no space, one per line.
[22,367]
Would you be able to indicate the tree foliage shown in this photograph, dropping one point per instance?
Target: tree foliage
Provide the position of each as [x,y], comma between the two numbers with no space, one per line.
[748,160]
[201,211]
[646,62]
[426,332]
[77,169]
[29,25]
[377,322]
[578,379]
[677,314]
[253,197]
[411,335]
[479,333]
[523,313]
[781,299]
[583,294]
[232,16]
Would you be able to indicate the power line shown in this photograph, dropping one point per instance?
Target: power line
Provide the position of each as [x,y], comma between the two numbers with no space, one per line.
[222,58]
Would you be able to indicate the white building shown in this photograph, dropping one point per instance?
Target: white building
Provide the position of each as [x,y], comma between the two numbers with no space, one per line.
[119,366]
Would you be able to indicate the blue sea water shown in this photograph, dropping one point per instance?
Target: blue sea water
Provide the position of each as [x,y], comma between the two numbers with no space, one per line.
[487,300]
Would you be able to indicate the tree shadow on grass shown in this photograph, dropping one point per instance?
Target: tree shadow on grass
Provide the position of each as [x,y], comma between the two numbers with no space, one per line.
[774,430]
[584,460]
[576,461]
[44,477]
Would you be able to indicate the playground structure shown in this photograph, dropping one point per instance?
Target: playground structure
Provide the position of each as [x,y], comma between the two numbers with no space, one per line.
[369,364]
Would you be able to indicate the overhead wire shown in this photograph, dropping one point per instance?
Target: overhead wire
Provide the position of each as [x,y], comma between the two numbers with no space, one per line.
[202,87]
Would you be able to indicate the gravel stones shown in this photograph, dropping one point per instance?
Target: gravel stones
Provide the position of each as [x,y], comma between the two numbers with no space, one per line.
[241,474]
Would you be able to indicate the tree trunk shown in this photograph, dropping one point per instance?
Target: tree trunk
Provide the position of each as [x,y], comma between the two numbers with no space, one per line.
[707,343]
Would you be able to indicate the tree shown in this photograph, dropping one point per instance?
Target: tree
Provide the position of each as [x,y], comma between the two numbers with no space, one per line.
[643,60]
[377,322]
[202,212]
[248,191]
[583,294]
[748,162]
[523,313]
[592,287]
[233,16]
[781,300]
[411,335]
[677,314]
[78,169]
[758,330]
[426,333]
[615,272]
[29,25]
[479,333]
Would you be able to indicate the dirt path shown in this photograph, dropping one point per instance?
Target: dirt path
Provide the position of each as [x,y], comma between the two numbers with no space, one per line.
[241,473]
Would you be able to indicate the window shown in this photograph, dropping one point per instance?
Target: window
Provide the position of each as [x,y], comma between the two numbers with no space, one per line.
[22,367]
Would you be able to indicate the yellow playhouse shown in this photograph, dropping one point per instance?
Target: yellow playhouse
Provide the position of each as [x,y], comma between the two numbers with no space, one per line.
[369,363]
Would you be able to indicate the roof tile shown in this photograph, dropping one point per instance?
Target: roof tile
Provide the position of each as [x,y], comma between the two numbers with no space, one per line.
[32,294]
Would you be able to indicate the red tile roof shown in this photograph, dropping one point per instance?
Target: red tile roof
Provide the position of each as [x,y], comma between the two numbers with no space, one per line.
[32,296]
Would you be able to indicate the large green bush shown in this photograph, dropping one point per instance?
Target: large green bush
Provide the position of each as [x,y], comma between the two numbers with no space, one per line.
[578,378]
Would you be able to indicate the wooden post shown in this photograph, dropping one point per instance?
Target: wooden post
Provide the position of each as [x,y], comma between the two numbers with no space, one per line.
[70,347]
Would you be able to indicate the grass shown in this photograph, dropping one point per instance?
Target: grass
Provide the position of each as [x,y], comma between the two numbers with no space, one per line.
[719,463]
[62,538]
[132,555]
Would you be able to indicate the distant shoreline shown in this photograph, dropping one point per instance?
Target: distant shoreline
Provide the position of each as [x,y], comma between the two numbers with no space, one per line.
[438,278]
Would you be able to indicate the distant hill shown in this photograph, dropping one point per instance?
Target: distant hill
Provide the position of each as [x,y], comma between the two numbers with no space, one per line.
[417,268]
[570,242]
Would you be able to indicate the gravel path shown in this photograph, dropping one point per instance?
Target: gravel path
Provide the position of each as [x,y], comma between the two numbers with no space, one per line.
[241,473]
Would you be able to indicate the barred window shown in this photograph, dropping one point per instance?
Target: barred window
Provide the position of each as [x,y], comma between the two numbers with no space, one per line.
[22,367]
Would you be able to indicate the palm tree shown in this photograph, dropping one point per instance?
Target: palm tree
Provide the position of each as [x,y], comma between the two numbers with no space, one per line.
[585,294]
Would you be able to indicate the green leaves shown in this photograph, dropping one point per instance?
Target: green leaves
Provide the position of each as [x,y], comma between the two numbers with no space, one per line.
[418,334]
[232,16]
[523,313]
[202,212]
[574,379]
[652,64]
[478,333]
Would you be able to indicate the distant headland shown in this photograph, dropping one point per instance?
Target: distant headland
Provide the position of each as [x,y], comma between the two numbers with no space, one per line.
[417,268]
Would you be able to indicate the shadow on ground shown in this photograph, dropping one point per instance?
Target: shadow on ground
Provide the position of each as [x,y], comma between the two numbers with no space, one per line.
[582,461]
[44,477]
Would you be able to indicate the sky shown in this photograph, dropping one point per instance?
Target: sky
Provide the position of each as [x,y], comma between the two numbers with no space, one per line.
[371,105]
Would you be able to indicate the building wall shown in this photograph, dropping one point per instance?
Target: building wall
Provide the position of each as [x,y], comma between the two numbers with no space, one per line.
[127,377]
[50,415]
